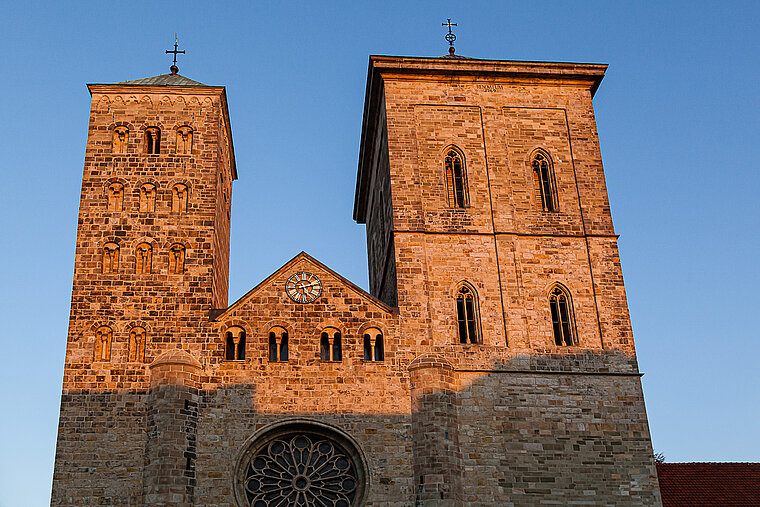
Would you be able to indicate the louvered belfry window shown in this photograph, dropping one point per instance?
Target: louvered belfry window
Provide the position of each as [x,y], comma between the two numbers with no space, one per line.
[456,179]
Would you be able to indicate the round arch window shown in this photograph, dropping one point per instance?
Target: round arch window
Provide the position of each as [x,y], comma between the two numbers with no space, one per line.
[300,464]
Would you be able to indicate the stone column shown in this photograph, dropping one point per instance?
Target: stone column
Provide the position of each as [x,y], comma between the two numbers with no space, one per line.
[437,460]
[172,417]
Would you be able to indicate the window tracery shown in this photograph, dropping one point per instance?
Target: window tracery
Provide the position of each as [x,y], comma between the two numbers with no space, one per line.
[563,320]
[115,196]
[176,259]
[143,258]
[330,346]
[468,315]
[456,178]
[103,337]
[278,344]
[543,181]
[148,198]
[234,344]
[374,348]
[110,260]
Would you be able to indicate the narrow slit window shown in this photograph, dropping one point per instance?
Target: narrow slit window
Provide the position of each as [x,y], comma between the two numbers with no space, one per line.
[367,348]
[456,179]
[543,180]
[272,346]
[563,325]
[467,315]
[324,347]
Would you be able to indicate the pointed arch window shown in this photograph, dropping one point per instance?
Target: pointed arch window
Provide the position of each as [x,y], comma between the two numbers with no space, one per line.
[120,140]
[468,315]
[103,337]
[148,198]
[179,198]
[330,346]
[543,181]
[115,196]
[184,140]
[374,349]
[563,320]
[152,141]
[137,337]
[278,345]
[234,347]
[176,259]
[110,259]
[143,258]
[456,178]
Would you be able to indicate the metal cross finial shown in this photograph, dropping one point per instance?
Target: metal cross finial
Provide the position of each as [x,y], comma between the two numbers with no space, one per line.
[450,37]
[174,67]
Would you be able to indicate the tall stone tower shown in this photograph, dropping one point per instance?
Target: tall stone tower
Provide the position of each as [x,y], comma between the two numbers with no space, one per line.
[151,262]
[488,226]
[492,362]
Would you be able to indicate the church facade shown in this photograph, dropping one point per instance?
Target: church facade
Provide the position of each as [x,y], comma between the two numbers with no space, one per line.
[492,362]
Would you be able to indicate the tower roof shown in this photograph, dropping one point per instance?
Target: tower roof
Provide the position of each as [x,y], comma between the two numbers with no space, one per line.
[163,80]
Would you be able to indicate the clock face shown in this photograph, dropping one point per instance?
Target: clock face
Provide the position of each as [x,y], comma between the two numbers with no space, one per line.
[303,287]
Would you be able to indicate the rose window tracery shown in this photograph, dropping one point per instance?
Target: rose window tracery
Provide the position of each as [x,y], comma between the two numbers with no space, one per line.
[301,468]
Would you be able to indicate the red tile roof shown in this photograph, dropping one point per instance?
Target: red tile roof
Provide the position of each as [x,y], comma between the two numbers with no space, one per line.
[709,484]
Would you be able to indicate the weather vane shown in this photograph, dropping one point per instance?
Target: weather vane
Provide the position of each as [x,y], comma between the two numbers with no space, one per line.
[450,37]
[174,67]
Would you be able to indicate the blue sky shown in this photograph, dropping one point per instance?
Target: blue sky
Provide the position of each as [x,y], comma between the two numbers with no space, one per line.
[678,123]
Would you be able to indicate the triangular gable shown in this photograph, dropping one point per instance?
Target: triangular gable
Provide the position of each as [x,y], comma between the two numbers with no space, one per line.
[287,266]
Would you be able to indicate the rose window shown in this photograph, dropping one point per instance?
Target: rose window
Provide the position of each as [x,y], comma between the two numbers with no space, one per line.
[301,468]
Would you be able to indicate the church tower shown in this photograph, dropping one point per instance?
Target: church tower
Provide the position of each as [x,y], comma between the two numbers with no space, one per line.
[488,226]
[491,363]
[151,261]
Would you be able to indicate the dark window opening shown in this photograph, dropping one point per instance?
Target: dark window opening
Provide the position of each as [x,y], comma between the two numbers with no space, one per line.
[543,179]
[456,179]
[467,316]
[284,347]
[367,348]
[241,347]
[379,349]
[324,354]
[152,141]
[272,347]
[229,353]
[562,317]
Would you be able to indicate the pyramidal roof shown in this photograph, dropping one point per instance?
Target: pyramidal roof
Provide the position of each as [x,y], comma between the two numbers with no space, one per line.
[163,80]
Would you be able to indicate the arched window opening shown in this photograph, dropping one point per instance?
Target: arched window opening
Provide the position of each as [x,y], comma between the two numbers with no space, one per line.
[179,198]
[143,258]
[110,258]
[543,181]
[152,141]
[467,315]
[120,139]
[103,337]
[373,345]
[184,141]
[563,321]
[456,179]
[278,344]
[148,198]
[331,349]
[115,196]
[176,259]
[234,349]
[137,344]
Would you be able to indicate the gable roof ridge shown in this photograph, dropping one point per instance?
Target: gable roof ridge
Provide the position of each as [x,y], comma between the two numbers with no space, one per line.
[299,256]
